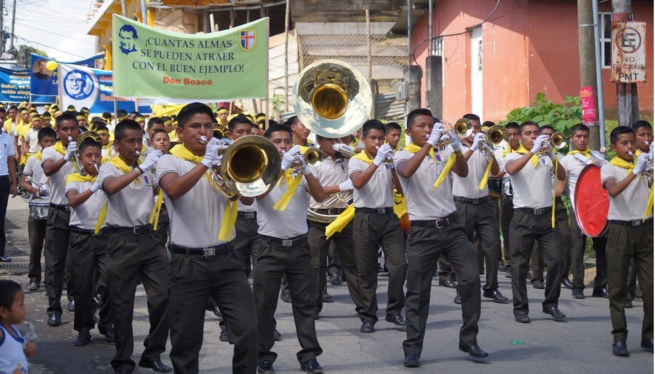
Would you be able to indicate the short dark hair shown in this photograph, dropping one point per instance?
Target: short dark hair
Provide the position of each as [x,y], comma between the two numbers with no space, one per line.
[641,123]
[579,127]
[121,129]
[121,113]
[13,107]
[2,110]
[293,120]
[46,131]
[620,130]
[487,124]
[89,142]
[275,128]
[191,110]
[512,125]
[546,127]
[8,291]
[240,118]
[155,121]
[106,115]
[415,113]
[392,126]
[100,127]
[373,124]
[525,124]
[472,117]
[66,116]
[157,131]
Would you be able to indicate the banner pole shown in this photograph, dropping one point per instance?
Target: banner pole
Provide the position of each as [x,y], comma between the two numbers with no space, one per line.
[115,108]
[136,105]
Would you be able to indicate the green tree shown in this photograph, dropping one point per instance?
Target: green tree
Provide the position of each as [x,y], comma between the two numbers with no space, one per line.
[544,112]
[23,55]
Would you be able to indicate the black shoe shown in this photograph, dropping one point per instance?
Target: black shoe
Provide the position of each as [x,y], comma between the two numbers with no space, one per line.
[316,316]
[553,311]
[33,286]
[265,367]
[448,283]
[566,282]
[508,274]
[5,259]
[109,335]
[156,366]
[82,340]
[327,298]
[71,306]
[123,371]
[277,336]
[54,320]
[496,296]
[223,336]
[577,293]
[522,318]
[397,320]
[528,276]
[412,360]
[538,284]
[285,297]
[647,345]
[458,299]
[601,292]
[367,327]
[311,366]
[217,313]
[620,349]
[474,351]
[334,279]
[628,304]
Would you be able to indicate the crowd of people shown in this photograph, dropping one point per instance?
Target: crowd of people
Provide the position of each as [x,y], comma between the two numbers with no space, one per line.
[120,200]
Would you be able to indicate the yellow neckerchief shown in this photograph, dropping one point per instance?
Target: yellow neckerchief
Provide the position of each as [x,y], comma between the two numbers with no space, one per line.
[77,177]
[59,148]
[638,152]
[354,143]
[586,153]
[39,155]
[122,166]
[413,148]
[623,164]
[362,156]
[534,159]
[292,184]
[231,209]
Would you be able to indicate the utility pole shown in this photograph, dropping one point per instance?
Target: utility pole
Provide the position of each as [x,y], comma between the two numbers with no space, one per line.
[13,23]
[587,52]
[627,100]
[2,27]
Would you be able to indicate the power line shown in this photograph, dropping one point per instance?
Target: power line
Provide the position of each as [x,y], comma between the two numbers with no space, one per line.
[45,45]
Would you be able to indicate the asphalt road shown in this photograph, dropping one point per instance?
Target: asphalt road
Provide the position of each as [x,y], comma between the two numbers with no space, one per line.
[580,344]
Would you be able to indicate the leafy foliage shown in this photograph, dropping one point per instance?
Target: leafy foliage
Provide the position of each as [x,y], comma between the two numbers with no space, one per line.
[23,55]
[544,112]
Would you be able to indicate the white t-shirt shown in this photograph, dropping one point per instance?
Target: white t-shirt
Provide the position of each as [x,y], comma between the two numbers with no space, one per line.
[630,204]
[58,179]
[6,150]
[285,224]
[32,139]
[248,208]
[85,216]
[131,206]
[378,192]
[196,217]
[573,167]
[12,358]
[34,170]
[468,187]
[330,173]
[533,187]
[423,202]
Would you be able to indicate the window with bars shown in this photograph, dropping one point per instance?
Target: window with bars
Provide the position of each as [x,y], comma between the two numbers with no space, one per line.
[605,39]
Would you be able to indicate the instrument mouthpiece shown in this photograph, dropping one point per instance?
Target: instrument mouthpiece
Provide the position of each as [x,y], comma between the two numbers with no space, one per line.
[203,139]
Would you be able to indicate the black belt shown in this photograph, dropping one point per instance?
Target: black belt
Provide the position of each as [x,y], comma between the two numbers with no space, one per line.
[438,223]
[138,230]
[65,208]
[284,242]
[82,231]
[635,223]
[4,177]
[247,215]
[207,252]
[536,212]
[374,211]
[330,211]
[464,200]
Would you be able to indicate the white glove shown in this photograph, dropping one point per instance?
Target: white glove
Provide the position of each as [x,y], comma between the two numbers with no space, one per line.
[305,167]
[290,157]
[435,135]
[477,141]
[641,163]
[211,152]
[218,161]
[551,155]
[347,185]
[337,147]
[95,187]
[382,154]
[455,144]
[150,160]
[44,190]
[539,143]
[70,151]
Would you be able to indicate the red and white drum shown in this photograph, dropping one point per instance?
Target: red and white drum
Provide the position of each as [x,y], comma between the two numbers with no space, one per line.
[591,202]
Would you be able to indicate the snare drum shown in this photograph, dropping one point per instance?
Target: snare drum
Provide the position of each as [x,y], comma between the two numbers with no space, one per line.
[39,209]
[495,187]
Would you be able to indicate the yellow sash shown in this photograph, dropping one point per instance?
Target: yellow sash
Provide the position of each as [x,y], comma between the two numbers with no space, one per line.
[485,177]
[292,185]
[122,166]
[154,215]
[77,177]
[586,153]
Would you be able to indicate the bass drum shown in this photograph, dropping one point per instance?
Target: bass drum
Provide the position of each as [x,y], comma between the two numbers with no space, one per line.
[591,203]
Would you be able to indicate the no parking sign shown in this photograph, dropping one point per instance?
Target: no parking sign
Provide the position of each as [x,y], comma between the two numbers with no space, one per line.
[628,52]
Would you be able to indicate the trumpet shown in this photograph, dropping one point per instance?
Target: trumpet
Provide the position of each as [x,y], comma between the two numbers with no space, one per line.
[493,139]
[557,141]
[462,128]
[389,159]
[345,150]
[312,157]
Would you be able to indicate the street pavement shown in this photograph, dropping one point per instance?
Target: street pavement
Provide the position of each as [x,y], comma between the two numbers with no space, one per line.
[580,344]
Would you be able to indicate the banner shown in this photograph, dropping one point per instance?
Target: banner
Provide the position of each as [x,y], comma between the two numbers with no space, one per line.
[15,87]
[91,88]
[44,81]
[588,103]
[159,64]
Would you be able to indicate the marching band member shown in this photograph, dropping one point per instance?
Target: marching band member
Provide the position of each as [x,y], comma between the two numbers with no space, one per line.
[107,148]
[204,261]
[300,132]
[134,250]
[392,134]
[57,163]
[530,173]
[573,164]
[282,219]
[41,191]
[88,245]
[630,234]
[473,206]
[160,142]
[154,123]
[7,186]
[435,230]
[376,224]
[332,174]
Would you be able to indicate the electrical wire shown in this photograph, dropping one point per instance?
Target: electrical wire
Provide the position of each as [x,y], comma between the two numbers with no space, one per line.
[45,45]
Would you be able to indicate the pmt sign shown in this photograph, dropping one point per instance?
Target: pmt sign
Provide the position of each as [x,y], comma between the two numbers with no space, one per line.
[628,52]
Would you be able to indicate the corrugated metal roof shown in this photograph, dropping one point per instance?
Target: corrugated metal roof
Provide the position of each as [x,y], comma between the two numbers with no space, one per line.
[400,28]
[388,108]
